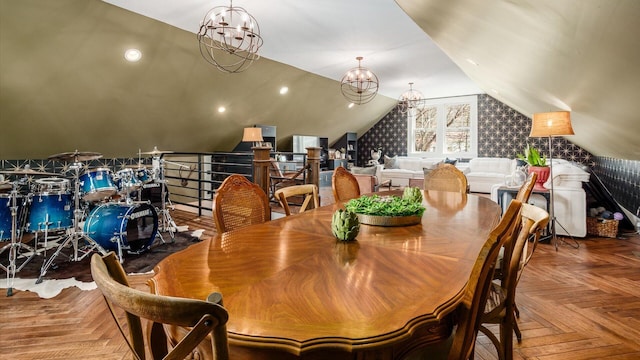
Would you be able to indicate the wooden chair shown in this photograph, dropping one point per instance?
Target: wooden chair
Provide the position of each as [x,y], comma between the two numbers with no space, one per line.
[202,317]
[309,191]
[500,308]
[471,308]
[239,203]
[446,177]
[279,180]
[525,190]
[344,185]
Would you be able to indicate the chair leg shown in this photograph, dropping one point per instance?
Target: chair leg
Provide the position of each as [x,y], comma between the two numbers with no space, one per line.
[506,337]
[516,329]
[494,341]
[516,311]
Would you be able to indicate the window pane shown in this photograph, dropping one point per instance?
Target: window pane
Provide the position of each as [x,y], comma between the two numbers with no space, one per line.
[458,141]
[425,141]
[458,115]
[427,118]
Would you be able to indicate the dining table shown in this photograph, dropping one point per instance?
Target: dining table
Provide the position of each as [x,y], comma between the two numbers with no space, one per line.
[294,291]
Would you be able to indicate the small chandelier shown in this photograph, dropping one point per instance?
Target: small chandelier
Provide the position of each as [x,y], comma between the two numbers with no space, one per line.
[359,85]
[229,38]
[410,99]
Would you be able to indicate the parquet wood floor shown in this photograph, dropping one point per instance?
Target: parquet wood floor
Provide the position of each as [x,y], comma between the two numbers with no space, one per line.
[574,304]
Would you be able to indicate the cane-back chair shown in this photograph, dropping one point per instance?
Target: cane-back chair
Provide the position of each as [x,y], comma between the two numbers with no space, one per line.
[199,318]
[344,185]
[239,203]
[446,177]
[309,192]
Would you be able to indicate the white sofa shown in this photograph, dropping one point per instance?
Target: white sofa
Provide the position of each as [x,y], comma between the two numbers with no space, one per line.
[406,168]
[570,201]
[483,173]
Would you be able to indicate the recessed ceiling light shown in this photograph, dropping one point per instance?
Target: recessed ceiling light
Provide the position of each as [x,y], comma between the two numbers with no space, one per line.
[472,62]
[284,90]
[133,55]
[351,105]
[221,109]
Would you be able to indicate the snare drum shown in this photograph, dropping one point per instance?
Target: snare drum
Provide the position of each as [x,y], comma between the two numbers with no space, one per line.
[49,185]
[97,184]
[5,215]
[126,180]
[133,226]
[51,211]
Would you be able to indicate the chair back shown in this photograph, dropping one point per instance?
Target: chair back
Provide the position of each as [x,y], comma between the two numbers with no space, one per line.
[472,305]
[446,177]
[525,190]
[344,185]
[308,191]
[239,203]
[203,318]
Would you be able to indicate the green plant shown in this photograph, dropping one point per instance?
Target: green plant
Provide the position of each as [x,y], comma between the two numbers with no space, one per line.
[384,206]
[533,157]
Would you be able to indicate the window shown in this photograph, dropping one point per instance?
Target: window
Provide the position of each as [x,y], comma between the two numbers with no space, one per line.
[444,128]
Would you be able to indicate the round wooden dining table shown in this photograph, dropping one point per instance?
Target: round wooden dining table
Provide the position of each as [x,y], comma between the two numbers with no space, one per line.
[293,290]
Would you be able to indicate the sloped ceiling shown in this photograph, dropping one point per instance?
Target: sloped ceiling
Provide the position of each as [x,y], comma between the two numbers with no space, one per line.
[64,84]
[539,55]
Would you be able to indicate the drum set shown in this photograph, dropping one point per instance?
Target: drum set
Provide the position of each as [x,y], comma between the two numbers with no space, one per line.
[90,209]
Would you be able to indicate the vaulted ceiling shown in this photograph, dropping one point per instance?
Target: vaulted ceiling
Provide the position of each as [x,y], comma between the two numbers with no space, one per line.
[64,84]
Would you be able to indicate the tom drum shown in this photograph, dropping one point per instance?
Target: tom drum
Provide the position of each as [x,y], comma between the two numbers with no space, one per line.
[97,184]
[51,211]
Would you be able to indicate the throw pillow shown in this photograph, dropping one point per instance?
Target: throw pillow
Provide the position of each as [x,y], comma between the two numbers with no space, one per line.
[450,161]
[370,170]
[390,163]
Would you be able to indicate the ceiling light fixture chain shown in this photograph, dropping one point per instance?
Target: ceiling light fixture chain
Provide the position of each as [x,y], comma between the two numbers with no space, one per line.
[411,99]
[229,38]
[359,85]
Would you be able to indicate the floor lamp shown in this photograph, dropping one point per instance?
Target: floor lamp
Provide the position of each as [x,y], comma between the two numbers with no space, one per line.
[550,124]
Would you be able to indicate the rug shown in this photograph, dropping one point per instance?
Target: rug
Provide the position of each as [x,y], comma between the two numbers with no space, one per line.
[64,273]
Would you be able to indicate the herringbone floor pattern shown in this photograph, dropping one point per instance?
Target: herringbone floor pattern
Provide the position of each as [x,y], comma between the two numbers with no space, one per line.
[574,304]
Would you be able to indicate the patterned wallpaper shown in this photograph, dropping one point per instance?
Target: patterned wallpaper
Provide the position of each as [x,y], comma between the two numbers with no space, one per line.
[502,132]
[622,179]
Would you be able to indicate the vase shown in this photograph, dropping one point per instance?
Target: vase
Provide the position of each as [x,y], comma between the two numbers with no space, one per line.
[543,175]
[375,155]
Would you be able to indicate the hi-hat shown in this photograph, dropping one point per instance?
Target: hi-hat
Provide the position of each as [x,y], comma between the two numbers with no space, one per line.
[28,171]
[155,151]
[76,156]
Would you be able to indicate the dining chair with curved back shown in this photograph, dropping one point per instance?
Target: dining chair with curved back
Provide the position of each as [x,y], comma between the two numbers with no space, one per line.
[239,203]
[308,191]
[446,177]
[344,185]
[471,308]
[201,317]
[500,307]
[525,190]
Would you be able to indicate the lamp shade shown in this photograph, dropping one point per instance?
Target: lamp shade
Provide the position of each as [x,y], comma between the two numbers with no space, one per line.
[252,134]
[555,123]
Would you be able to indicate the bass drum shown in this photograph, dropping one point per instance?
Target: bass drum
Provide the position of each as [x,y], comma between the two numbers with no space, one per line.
[133,226]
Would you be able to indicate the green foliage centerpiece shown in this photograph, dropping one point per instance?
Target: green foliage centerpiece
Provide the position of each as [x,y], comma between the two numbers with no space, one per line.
[389,210]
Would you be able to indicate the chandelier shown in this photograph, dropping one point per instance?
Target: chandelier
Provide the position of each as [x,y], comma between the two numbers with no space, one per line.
[410,99]
[229,38]
[359,85]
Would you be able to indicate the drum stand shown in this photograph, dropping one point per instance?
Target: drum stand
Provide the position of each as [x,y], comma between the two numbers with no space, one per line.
[76,234]
[15,244]
[166,221]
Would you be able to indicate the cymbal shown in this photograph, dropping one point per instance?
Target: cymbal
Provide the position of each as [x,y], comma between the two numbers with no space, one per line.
[28,172]
[155,151]
[76,156]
